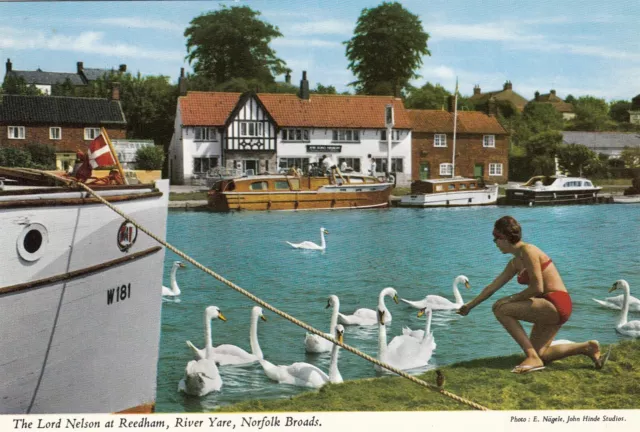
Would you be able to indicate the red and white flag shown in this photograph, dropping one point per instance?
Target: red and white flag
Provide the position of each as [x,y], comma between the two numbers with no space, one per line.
[99,153]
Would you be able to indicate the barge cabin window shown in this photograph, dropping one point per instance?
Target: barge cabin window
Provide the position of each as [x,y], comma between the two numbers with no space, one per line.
[281,185]
[261,185]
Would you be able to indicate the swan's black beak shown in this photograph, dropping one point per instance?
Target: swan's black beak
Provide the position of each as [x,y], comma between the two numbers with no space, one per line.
[381,316]
[182,265]
[467,284]
[422,312]
[614,287]
[263,318]
[221,317]
[395,298]
[328,304]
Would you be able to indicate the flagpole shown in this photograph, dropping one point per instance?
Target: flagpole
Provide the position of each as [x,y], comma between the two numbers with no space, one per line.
[455,122]
[115,156]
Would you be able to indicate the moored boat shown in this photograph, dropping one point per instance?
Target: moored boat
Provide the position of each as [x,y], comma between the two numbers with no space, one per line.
[449,192]
[80,296]
[293,192]
[626,199]
[553,190]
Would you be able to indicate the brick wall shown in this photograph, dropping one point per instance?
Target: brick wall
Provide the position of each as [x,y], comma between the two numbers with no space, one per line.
[72,137]
[469,152]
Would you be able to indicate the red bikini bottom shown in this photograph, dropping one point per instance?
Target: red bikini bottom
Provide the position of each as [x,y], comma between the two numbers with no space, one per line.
[562,301]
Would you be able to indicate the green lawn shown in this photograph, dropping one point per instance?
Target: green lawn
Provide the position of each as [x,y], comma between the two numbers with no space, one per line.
[568,384]
[189,196]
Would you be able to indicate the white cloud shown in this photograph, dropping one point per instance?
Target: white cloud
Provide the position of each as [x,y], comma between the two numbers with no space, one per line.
[87,42]
[316,43]
[141,23]
[324,27]
[480,32]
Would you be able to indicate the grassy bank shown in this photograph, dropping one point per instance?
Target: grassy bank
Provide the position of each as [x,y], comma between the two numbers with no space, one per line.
[572,383]
[188,196]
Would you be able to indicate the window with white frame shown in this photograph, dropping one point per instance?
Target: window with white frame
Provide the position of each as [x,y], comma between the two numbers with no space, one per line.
[346,135]
[251,129]
[16,132]
[495,169]
[396,165]
[285,163]
[353,163]
[55,133]
[440,140]
[203,164]
[295,135]
[91,133]
[489,141]
[446,169]
[205,134]
[395,135]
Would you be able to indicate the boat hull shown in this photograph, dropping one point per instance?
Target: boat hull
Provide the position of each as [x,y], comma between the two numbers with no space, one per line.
[626,199]
[81,325]
[551,197]
[486,196]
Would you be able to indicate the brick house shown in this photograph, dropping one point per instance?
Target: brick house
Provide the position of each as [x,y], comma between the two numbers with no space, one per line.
[482,145]
[507,94]
[64,123]
[564,108]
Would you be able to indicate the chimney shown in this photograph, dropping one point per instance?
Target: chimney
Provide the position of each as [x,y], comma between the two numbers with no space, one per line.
[182,83]
[553,92]
[80,66]
[9,65]
[492,107]
[287,77]
[115,91]
[476,90]
[537,96]
[451,103]
[304,87]
[508,85]
[122,68]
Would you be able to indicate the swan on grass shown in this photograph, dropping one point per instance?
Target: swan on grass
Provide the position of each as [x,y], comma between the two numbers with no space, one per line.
[304,374]
[366,317]
[175,289]
[316,344]
[618,301]
[202,376]
[311,245]
[405,352]
[436,302]
[629,328]
[227,354]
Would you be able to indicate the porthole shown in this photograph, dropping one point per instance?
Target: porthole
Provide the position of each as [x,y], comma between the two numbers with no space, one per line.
[32,242]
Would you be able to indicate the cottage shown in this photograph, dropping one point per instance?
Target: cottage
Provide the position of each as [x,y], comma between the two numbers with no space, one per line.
[564,108]
[481,100]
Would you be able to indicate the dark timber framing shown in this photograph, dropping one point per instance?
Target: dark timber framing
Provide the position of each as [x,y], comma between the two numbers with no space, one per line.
[248,104]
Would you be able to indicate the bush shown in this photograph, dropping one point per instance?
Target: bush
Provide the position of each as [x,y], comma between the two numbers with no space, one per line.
[15,157]
[635,187]
[42,156]
[149,158]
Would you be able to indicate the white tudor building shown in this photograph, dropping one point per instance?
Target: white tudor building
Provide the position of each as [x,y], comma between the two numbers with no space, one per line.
[271,132]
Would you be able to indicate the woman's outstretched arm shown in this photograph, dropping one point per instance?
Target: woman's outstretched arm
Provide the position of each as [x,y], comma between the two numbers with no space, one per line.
[507,274]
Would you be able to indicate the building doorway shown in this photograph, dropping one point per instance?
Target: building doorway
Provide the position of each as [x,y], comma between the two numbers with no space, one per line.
[251,164]
[425,172]
[478,170]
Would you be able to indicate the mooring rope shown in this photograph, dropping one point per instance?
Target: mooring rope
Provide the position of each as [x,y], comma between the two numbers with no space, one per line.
[274,309]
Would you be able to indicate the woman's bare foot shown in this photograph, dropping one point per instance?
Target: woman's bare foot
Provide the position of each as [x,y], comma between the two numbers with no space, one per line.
[530,363]
[593,351]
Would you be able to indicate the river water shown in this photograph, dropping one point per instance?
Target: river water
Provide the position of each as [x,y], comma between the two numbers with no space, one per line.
[416,251]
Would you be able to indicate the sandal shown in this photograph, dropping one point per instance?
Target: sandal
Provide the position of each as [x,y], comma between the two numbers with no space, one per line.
[526,369]
[603,359]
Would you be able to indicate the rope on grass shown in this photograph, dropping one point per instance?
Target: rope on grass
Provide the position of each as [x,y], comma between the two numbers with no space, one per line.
[276,310]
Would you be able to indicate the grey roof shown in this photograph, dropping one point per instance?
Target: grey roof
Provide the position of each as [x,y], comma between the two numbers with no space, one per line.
[60,110]
[48,78]
[602,139]
[93,74]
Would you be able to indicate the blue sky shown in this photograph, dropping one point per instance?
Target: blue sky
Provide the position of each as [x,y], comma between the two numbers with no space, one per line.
[579,48]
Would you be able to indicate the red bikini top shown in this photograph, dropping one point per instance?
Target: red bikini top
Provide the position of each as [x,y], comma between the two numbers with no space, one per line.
[523,276]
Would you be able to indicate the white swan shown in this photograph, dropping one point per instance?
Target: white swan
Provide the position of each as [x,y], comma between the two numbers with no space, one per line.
[420,334]
[175,289]
[227,354]
[629,328]
[316,344]
[305,374]
[202,376]
[364,316]
[617,302]
[436,302]
[405,352]
[312,245]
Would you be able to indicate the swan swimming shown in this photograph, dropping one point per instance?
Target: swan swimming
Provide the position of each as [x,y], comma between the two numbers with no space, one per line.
[618,301]
[366,317]
[227,354]
[420,334]
[305,374]
[316,344]
[175,289]
[436,302]
[202,376]
[629,328]
[405,352]
[311,245]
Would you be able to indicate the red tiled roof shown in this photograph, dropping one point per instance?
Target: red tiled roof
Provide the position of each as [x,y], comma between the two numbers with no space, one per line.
[442,121]
[344,111]
[207,108]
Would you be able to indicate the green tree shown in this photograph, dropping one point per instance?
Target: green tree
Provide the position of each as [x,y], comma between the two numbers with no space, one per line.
[16,85]
[574,158]
[631,157]
[541,150]
[428,96]
[233,43]
[64,89]
[42,156]
[570,99]
[542,117]
[321,89]
[15,157]
[149,158]
[592,114]
[619,111]
[386,49]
